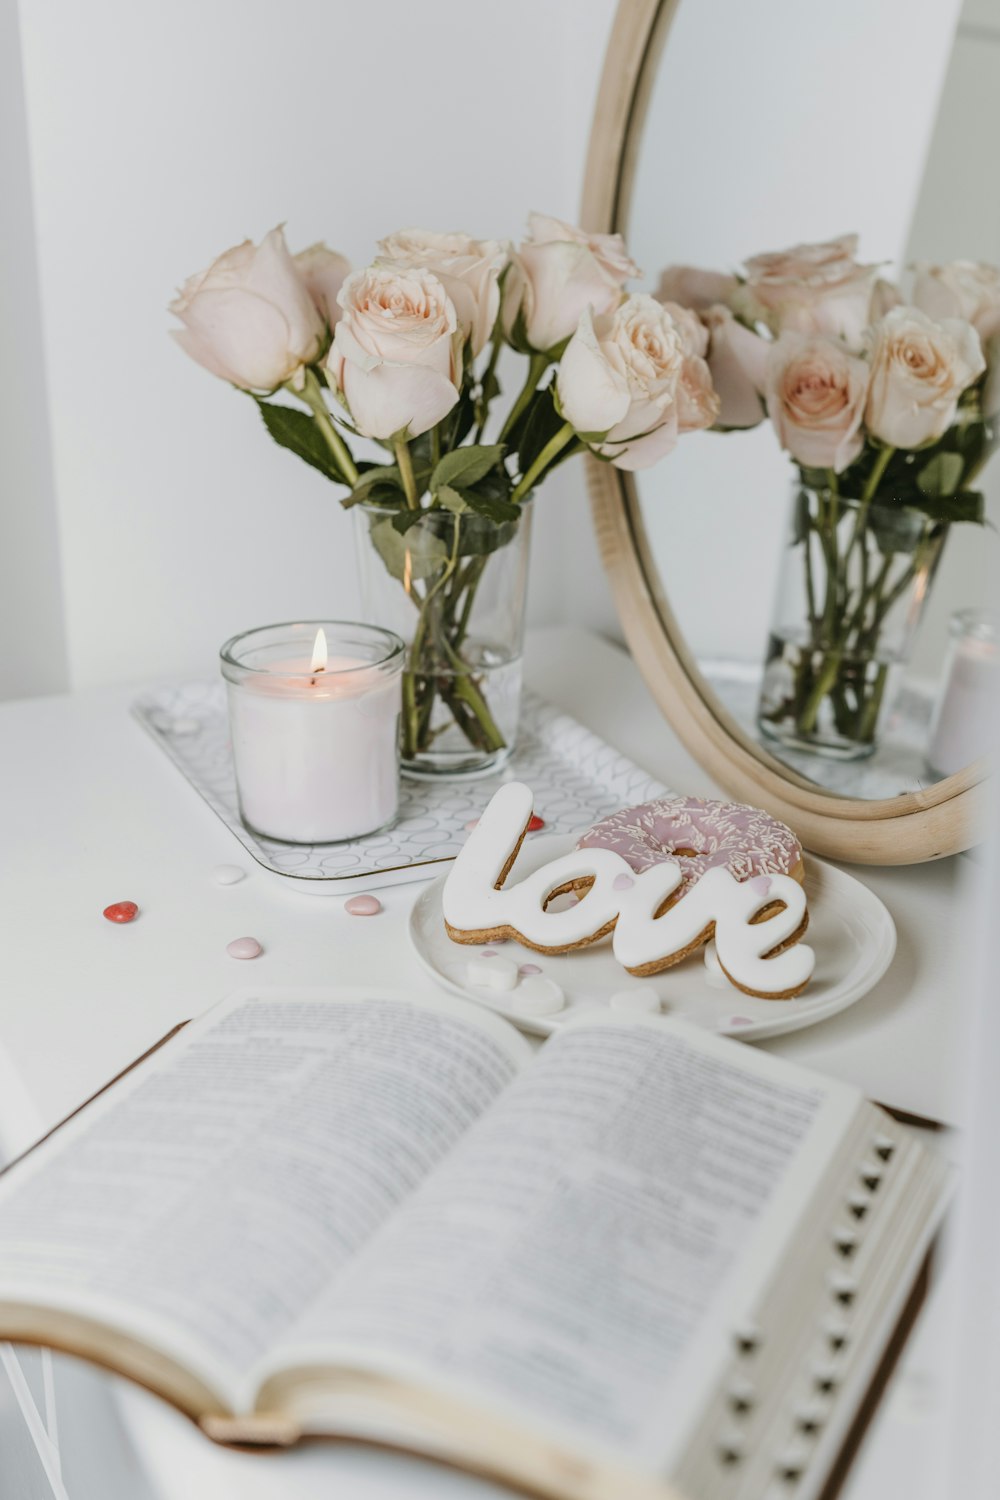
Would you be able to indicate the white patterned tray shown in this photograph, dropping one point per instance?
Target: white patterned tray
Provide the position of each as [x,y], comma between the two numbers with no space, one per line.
[575,776]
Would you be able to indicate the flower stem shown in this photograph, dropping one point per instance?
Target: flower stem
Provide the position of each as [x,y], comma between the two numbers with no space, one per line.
[824,682]
[312,395]
[552,448]
[402,450]
[537,365]
[874,479]
[487,380]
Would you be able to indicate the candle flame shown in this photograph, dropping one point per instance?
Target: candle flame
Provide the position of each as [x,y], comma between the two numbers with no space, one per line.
[407,571]
[319,656]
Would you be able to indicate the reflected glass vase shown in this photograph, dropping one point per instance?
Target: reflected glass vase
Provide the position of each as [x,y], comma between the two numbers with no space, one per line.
[454,587]
[854,579]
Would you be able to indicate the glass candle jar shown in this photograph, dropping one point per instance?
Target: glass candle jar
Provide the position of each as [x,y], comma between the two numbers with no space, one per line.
[314,718]
[965,722]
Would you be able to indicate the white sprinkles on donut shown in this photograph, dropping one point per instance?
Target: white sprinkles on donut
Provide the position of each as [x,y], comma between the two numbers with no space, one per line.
[698,836]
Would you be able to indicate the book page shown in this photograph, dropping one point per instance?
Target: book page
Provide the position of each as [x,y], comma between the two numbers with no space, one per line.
[567,1259]
[207,1199]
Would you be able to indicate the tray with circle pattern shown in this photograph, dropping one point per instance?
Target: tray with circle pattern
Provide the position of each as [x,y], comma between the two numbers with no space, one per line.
[576,778]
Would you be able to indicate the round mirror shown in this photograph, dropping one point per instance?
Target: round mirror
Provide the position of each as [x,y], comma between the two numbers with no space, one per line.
[818,631]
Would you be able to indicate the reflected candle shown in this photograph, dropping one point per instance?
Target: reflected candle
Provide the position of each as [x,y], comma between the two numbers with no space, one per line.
[965,722]
[314,719]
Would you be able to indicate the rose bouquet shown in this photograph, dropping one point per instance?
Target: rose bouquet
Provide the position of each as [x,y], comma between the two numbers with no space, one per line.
[405,353]
[889,408]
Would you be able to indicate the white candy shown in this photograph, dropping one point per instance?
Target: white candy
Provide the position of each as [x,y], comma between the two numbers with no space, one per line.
[227,874]
[537,996]
[492,973]
[642,1000]
[714,972]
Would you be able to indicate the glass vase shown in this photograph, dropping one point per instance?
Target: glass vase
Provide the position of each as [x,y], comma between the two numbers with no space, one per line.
[854,579]
[453,586]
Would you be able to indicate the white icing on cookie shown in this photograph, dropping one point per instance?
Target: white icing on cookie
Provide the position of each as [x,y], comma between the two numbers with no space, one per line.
[478,907]
[473,905]
[719,901]
[714,974]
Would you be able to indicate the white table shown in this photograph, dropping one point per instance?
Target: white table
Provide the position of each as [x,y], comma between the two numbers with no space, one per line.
[91,812]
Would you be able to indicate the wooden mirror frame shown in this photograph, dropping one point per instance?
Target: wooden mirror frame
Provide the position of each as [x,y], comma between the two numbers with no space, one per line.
[915,826]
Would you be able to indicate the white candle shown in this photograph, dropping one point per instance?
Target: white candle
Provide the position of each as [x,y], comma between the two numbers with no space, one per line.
[964,720]
[315,736]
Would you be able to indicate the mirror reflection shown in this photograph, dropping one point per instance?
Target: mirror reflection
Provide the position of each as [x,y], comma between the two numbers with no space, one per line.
[830,557]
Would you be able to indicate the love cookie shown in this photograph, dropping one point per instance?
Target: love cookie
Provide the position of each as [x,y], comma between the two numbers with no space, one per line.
[756,930]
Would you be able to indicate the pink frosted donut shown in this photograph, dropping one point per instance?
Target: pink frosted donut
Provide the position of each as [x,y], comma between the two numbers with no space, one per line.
[699,835]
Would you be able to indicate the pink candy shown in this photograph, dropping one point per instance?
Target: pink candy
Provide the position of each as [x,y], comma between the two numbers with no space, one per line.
[244,947]
[362,906]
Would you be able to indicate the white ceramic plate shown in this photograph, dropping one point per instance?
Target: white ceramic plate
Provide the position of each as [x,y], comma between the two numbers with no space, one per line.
[849,928]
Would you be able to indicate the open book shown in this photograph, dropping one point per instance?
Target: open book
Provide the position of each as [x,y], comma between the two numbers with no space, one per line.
[644,1262]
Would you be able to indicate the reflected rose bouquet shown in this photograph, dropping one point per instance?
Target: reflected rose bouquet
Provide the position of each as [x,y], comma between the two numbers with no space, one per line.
[404,354]
[889,406]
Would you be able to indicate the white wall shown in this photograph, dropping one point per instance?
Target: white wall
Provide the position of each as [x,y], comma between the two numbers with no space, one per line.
[161,134]
[958,214]
[778,123]
[32,642]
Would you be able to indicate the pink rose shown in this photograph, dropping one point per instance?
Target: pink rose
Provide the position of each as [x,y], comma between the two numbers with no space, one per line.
[694,288]
[690,329]
[607,249]
[885,296]
[824,260]
[813,288]
[919,368]
[557,273]
[815,398]
[737,360]
[697,401]
[324,273]
[468,269]
[618,380]
[249,318]
[396,355]
[959,289]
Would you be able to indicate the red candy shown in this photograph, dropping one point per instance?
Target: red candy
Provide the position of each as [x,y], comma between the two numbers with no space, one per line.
[121,911]
[536,823]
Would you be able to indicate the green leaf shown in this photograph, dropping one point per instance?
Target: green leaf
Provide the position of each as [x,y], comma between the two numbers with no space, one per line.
[373,481]
[801,523]
[968,505]
[462,418]
[478,537]
[542,421]
[942,475]
[403,520]
[375,473]
[298,432]
[491,507]
[426,552]
[464,466]
[452,499]
[488,393]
